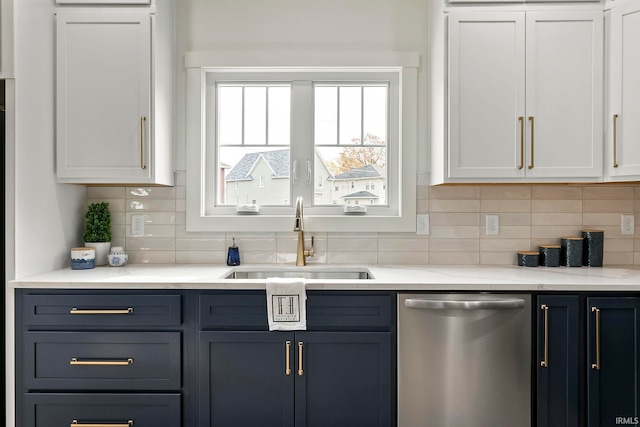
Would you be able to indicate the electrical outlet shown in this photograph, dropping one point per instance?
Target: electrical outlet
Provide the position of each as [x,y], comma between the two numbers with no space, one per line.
[627,224]
[422,224]
[492,225]
[137,225]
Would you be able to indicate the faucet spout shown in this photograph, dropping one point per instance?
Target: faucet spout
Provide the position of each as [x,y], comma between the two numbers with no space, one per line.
[299,224]
[301,252]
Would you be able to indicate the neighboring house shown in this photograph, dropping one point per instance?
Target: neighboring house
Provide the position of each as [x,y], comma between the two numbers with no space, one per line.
[259,178]
[363,185]
[263,178]
[360,198]
[322,188]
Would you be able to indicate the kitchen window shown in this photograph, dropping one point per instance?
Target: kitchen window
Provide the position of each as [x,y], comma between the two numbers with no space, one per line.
[297,127]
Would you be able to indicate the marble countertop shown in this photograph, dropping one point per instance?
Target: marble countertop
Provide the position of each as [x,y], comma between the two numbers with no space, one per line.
[385,277]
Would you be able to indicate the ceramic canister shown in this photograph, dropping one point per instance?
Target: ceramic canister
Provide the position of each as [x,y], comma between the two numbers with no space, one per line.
[528,259]
[592,248]
[550,255]
[82,258]
[571,251]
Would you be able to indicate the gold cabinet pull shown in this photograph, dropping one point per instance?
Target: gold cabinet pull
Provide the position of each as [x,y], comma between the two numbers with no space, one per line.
[123,362]
[521,120]
[531,120]
[545,362]
[75,423]
[287,369]
[300,370]
[597,312]
[615,140]
[143,119]
[76,310]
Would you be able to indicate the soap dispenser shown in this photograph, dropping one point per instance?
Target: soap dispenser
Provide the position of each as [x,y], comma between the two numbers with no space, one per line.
[233,255]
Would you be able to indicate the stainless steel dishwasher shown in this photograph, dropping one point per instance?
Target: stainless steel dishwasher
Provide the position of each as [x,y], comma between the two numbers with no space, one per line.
[464,360]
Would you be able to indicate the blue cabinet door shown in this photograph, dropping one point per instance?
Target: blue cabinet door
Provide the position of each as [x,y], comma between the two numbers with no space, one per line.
[345,379]
[613,358]
[244,381]
[557,360]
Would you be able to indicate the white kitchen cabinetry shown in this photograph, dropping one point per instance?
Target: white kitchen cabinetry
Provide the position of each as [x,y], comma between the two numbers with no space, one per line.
[622,121]
[115,95]
[524,97]
[6,39]
[104,2]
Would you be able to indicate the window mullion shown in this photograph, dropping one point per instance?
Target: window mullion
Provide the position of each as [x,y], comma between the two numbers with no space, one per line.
[302,137]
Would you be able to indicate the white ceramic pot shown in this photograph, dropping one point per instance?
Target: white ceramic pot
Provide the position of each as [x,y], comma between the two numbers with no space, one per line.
[102,251]
[118,257]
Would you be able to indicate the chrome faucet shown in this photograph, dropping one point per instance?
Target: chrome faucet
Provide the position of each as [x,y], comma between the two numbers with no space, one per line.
[301,252]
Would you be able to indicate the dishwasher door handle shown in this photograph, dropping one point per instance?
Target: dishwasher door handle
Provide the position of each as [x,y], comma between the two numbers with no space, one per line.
[493,304]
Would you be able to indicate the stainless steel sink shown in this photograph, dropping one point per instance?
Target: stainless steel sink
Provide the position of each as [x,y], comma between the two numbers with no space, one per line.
[302,273]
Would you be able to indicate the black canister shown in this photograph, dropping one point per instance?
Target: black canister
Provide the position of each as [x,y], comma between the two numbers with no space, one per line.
[550,255]
[571,251]
[528,259]
[592,248]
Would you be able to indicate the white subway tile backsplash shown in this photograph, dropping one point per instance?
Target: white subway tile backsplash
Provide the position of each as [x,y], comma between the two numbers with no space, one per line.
[530,215]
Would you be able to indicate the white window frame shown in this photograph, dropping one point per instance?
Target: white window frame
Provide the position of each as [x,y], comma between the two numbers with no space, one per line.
[400,214]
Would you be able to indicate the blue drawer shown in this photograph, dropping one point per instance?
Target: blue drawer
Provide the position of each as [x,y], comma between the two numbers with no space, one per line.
[247,310]
[102,310]
[143,410]
[102,360]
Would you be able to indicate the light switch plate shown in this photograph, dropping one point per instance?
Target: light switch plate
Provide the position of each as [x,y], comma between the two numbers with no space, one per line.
[627,224]
[422,226]
[137,225]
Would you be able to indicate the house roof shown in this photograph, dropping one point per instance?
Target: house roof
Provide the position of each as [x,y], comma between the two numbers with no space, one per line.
[368,171]
[360,195]
[277,160]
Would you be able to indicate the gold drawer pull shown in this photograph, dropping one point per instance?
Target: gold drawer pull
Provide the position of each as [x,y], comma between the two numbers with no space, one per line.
[76,310]
[124,362]
[300,347]
[545,361]
[142,122]
[596,365]
[75,423]
[615,140]
[287,369]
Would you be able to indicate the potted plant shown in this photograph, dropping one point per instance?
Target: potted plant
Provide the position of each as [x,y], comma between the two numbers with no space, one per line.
[97,233]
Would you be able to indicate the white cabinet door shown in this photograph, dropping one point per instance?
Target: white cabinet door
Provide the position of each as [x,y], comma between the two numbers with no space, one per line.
[505,128]
[564,94]
[6,39]
[103,96]
[623,153]
[486,94]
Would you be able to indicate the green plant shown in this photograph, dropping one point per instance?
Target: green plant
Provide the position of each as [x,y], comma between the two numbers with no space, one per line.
[98,226]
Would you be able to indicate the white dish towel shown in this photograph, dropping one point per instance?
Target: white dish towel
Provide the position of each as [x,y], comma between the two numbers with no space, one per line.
[286,304]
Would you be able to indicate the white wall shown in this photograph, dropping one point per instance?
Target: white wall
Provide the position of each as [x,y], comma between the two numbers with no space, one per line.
[300,26]
[48,216]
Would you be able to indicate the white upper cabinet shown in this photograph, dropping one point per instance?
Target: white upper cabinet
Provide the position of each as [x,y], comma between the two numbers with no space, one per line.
[104,2]
[114,98]
[525,97]
[622,121]
[6,39]
[564,94]
[486,94]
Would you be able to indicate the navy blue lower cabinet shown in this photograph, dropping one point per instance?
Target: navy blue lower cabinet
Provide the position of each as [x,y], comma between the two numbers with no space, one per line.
[343,379]
[71,409]
[273,379]
[613,355]
[558,361]
[246,379]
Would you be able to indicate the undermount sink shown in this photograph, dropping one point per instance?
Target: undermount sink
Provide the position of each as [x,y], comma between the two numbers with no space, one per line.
[336,274]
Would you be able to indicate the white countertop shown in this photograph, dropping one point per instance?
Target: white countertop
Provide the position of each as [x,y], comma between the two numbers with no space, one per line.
[410,278]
